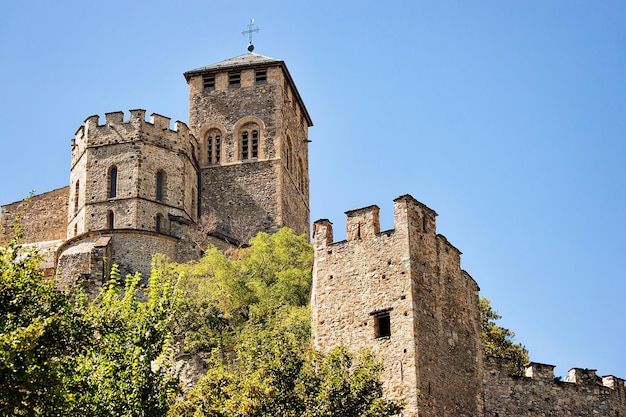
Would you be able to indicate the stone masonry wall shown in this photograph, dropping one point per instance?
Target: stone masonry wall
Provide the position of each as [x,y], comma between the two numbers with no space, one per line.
[274,110]
[244,197]
[44,218]
[447,333]
[411,278]
[583,394]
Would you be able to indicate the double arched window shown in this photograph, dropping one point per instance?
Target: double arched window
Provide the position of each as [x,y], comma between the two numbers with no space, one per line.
[213,147]
[249,142]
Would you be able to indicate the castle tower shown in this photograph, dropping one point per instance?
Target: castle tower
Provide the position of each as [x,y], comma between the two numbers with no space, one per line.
[403,294]
[252,130]
[133,189]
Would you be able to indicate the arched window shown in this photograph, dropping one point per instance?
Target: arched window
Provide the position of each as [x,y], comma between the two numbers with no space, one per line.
[76,194]
[113,182]
[111,219]
[159,185]
[159,223]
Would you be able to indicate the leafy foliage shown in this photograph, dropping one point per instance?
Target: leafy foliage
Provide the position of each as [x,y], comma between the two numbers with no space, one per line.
[126,371]
[248,311]
[41,331]
[498,340]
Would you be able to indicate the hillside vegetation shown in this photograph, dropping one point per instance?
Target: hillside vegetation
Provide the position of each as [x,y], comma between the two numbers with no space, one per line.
[246,313]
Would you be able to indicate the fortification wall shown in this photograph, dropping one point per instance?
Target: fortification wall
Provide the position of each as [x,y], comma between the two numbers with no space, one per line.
[540,394]
[447,332]
[358,284]
[43,219]
[411,279]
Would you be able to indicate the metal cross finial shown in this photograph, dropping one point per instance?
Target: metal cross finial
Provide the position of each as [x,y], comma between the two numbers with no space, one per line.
[249,32]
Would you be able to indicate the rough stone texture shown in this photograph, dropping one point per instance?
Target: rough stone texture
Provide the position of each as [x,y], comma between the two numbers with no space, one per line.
[432,350]
[539,394]
[44,218]
[271,190]
[413,276]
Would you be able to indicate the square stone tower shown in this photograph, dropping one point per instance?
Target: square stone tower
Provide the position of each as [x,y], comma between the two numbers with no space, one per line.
[403,294]
[252,130]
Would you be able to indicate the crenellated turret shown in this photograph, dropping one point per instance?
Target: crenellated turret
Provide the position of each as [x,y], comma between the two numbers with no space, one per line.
[116,130]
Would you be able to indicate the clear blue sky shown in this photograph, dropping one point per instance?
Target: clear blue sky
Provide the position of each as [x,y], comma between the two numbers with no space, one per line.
[507,118]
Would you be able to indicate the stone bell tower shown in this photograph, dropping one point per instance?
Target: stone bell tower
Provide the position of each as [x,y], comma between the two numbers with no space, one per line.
[252,129]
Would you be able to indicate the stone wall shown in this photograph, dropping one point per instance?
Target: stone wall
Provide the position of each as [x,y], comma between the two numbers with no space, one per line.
[243,197]
[540,394]
[89,257]
[138,150]
[403,294]
[272,108]
[44,218]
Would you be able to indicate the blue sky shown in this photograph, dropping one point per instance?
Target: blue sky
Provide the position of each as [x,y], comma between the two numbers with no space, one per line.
[507,118]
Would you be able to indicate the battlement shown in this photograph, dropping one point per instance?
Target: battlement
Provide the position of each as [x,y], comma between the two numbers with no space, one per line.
[581,392]
[116,130]
[409,214]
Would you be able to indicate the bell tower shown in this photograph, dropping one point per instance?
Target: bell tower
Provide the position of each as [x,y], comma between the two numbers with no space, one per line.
[252,130]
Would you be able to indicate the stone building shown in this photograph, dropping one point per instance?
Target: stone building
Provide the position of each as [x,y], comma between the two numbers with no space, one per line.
[138,187]
[403,294]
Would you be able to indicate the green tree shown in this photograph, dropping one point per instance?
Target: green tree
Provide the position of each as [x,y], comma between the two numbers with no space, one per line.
[498,340]
[127,371]
[274,374]
[41,332]
[259,298]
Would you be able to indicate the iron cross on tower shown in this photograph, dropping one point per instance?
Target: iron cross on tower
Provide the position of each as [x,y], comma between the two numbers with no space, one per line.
[249,32]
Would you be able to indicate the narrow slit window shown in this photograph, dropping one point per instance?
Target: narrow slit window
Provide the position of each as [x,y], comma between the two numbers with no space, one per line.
[159,186]
[234,79]
[159,221]
[76,194]
[209,145]
[244,146]
[255,144]
[217,149]
[113,182]
[111,220]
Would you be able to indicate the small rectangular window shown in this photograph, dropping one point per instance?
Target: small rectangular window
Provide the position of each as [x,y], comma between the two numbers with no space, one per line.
[382,324]
[234,79]
[260,77]
[208,82]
